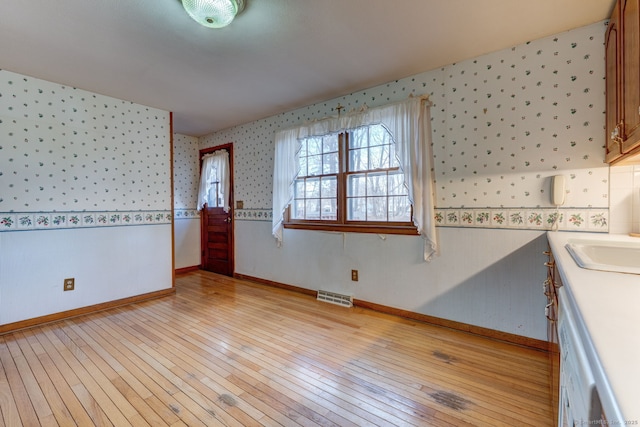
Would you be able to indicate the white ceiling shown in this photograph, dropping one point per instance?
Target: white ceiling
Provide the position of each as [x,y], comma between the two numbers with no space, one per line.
[278,55]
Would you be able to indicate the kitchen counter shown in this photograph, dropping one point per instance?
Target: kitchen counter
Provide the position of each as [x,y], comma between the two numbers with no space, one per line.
[608,313]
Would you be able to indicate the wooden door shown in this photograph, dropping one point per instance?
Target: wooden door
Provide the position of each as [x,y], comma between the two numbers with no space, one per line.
[217,228]
[217,253]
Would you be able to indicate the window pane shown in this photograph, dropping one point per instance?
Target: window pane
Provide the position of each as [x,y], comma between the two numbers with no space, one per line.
[314,165]
[399,209]
[298,189]
[303,148]
[330,143]
[358,138]
[314,146]
[329,187]
[376,209]
[358,160]
[297,209]
[356,185]
[330,163]
[379,157]
[396,184]
[329,209]
[303,166]
[312,188]
[378,135]
[377,184]
[356,209]
[312,209]
[393,160]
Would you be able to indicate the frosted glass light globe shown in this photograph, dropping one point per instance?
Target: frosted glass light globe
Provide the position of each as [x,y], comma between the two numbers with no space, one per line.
[213,13]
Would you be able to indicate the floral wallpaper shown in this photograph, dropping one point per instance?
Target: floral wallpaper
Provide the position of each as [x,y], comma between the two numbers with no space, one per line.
[517,116]
[185,176]
[72,158]
[502,124]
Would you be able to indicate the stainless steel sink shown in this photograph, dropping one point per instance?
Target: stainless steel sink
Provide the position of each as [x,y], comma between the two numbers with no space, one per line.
[606,255]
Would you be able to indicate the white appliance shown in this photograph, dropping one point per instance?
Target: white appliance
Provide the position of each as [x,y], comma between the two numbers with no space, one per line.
[579,401]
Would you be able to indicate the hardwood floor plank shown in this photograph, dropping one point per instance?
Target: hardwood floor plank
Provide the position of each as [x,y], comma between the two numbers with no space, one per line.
[78,380]
[31,385]
[393,422]
[194,370]
[101,373]
[243,348]
[69,399]
[323,328]
[232,358]
[52,404]
[164,399]
[19,409]
[227,352]
[8,406]
[97,385]
[264,378]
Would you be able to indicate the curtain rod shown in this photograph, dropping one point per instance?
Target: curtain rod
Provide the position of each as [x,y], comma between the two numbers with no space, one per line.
[363,108]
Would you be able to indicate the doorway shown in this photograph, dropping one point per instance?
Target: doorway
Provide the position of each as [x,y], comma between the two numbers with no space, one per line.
[216,217]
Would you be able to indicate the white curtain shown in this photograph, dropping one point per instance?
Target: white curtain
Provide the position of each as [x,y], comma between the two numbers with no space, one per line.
[215,172]
[409,124]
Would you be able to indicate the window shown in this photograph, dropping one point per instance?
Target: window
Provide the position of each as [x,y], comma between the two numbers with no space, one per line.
[350,179]
[214,181]
[358,173]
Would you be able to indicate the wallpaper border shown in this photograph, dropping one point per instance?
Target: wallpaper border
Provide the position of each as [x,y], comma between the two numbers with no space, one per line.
[253,215]
[570,219]
[25,221]
[186,214]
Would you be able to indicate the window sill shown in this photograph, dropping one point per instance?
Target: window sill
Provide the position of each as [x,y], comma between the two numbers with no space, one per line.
[410,230]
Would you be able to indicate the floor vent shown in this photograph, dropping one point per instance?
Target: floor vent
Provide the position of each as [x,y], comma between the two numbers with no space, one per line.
[333,298]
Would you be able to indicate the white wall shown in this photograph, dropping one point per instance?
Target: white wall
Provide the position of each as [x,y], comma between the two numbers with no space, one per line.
[186,167]
[489,278]
[187,242]
[106,263]
[85,194]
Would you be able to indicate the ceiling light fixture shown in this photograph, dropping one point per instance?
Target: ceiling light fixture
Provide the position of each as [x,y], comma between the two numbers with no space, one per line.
[213,13]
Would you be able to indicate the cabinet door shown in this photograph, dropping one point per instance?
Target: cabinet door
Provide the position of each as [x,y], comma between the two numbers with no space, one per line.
[612,76]
[630,48]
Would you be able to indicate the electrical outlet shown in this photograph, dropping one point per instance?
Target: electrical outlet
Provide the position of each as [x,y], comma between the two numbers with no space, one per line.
[354,275]
[69,284]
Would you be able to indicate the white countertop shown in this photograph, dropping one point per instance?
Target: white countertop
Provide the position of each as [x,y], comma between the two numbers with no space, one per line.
[608,312]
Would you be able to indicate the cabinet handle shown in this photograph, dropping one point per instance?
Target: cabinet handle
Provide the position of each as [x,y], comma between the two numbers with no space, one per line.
[547,253]
[549,264]
[548,312]
[615,133]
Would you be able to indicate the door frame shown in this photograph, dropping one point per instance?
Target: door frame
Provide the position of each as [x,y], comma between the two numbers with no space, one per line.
[203,238]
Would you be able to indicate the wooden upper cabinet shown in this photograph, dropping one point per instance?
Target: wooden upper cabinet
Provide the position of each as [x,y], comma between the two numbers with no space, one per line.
[630,14]
[622,49]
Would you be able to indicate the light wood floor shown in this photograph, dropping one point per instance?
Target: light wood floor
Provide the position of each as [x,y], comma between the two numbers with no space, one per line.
[232,353]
